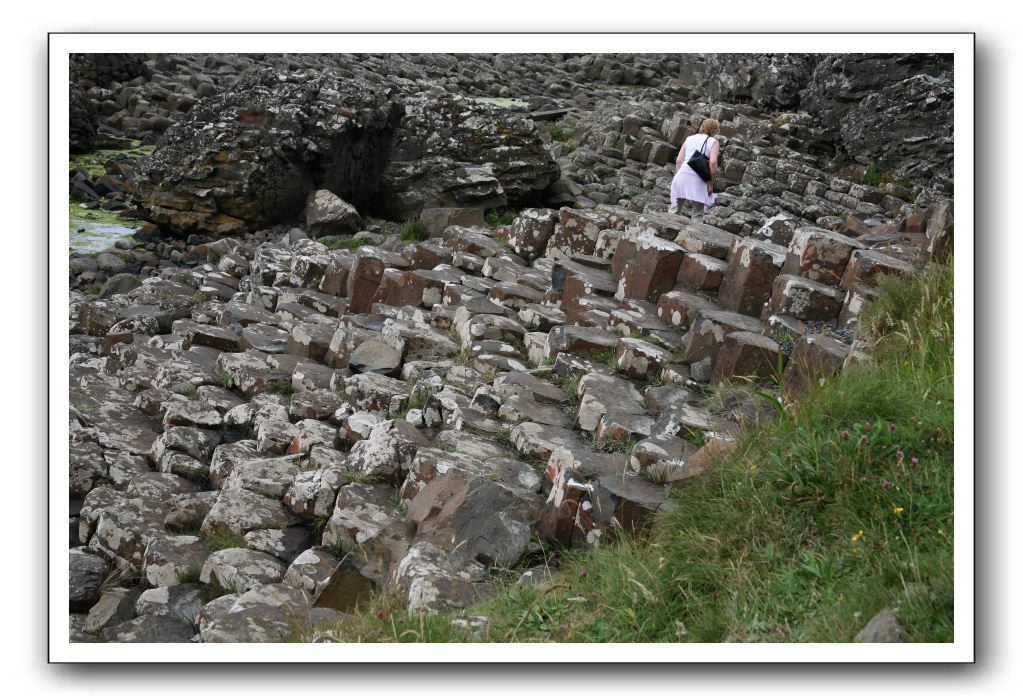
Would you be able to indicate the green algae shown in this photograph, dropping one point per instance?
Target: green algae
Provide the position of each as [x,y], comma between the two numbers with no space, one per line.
[95,230]
[93,162]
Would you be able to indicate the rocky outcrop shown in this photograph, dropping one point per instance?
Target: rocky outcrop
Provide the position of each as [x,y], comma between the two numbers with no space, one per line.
[250,157]
[769,80]
[894,111]
[100,69]
[487,157]
[82,121]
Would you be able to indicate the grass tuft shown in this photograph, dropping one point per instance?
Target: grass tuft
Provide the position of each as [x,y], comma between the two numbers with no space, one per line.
[360,477]
[340,242]
[610,445]
[185,577]
[495,218]
[414,231]
[876,175]
[217,541]
[214,589]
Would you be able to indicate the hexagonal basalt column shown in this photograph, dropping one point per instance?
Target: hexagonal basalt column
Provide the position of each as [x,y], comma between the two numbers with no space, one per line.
[749,279]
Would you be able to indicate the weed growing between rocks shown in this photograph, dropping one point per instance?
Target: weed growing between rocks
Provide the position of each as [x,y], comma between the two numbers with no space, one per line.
[876,175]
[214,589]
[500,218]
[414,231]
[284,389]
[121,574]
[185,577]
[610,445]
[696,437]
[341,242]
[359,477]
[218,541]
[570,385]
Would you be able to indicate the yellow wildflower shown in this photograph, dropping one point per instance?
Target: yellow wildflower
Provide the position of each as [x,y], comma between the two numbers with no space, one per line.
[896,509]
[857,536]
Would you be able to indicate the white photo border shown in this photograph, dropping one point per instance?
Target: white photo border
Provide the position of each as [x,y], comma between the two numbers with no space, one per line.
[959,44]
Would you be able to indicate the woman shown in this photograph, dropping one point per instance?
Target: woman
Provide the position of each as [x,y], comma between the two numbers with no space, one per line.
[687,188]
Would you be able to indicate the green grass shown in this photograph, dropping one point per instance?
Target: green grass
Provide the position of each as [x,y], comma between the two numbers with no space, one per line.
[214,589]
[218,541]
[360,477]
[342,546]
[605,356]
[500,218]
[94,162]
[876,175]
[570,385]
[696,437]
[558,135]
[343,242]
[839,507]
[414,231]
[285,389]
[185,577]
[417,400]
[610,445]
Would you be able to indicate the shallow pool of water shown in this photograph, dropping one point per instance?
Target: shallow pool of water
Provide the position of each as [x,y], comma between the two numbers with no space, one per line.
[90,231]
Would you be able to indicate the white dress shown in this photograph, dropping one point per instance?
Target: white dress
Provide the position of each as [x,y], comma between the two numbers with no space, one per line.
[687,183]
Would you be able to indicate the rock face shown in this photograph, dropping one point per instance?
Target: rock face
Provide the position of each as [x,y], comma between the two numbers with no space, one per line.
[890,109]
[767,79]
[82,121]
[488,158]
[250,156]
[100,69]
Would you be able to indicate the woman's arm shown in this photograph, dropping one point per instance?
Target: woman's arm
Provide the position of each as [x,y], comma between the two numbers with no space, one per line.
[714,150]
[680,160]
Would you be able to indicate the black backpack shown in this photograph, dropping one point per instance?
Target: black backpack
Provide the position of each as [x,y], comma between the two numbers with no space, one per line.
[699,162]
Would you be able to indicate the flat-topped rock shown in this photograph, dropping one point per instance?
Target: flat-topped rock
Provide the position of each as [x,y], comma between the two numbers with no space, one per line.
[804,299]
[706,335]
[819,255]
[749,278]
[680,308]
